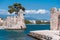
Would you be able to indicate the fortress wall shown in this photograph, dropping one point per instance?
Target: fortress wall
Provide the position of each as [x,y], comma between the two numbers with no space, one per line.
[54,23]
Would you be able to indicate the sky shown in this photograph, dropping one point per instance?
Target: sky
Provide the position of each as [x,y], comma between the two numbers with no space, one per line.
[35,9]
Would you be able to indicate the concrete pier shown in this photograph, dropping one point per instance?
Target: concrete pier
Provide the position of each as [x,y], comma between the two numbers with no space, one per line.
[45,34]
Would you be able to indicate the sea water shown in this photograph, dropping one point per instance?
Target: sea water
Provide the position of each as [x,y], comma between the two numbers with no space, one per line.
[21,34]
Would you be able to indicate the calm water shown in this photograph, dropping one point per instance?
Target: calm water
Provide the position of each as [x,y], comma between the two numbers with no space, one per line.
[20,34]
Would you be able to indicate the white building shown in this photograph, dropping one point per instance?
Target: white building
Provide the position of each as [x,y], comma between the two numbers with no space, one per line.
[33,21]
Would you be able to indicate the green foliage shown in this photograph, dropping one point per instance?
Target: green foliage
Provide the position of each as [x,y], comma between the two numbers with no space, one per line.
[39,22]
[15,8]
[27,22]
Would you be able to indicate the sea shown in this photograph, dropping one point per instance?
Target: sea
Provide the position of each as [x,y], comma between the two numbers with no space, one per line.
[22,34]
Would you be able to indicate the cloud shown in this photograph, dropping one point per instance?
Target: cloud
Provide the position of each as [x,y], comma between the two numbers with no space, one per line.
[30,11]
[3,11]
[41,11]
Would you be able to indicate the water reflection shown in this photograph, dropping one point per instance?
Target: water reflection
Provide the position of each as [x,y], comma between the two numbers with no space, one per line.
[14,35]
[21,34]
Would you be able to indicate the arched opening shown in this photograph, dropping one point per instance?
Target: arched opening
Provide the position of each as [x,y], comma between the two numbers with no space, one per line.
[58,22]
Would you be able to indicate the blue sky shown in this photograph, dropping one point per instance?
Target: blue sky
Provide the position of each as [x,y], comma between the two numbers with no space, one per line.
[37,5]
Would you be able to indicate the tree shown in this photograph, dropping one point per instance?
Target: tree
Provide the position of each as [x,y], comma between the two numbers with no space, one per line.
[15,8]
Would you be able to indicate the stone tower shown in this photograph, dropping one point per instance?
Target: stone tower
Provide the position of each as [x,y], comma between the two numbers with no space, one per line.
[21,19]
[15,22]
[55,19]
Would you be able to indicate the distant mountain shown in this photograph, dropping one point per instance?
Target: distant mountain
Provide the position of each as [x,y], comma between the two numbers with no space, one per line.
[37,16]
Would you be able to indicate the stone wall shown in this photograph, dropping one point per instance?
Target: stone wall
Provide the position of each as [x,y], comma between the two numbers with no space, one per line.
[54,19]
